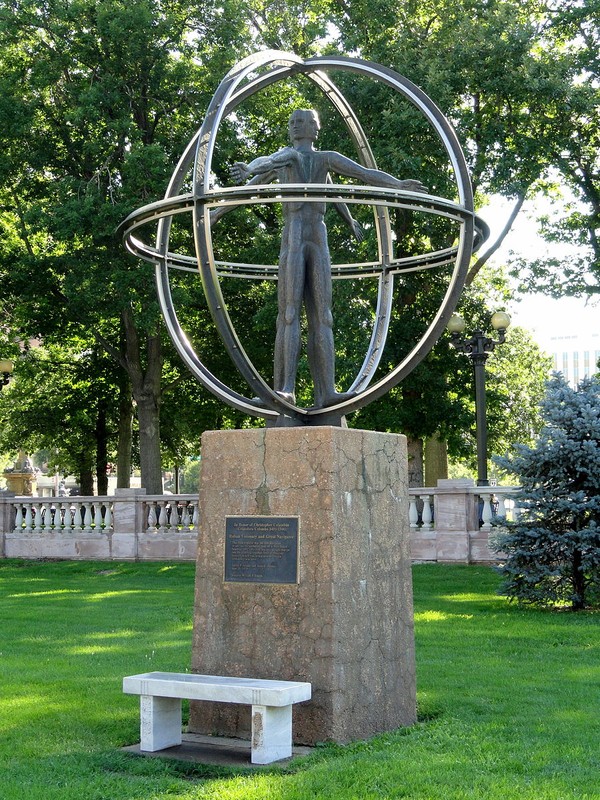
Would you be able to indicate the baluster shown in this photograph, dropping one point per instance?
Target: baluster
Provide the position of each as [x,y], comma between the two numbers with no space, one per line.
[97,516]
[426,514]
[39,513]
[107,517]
[162,517]
[487,513]
[152,516]
[87,518]
[75,509]
[77,512]
[176,514]
[195,515]
[67,517]
[82,516]
[413,512]
[185,515]
[19,519]
[28,518]
[48,514]
[501,512]
[170,516]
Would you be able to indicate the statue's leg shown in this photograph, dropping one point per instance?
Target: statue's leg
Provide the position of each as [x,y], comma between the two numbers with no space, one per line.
[287,340]
[318,304]
[317,301]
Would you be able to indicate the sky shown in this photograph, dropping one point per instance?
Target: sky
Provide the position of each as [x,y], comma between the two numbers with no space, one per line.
[543,316]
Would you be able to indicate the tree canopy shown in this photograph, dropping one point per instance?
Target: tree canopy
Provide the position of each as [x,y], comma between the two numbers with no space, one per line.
[573,33]
[102,98]
[99,99]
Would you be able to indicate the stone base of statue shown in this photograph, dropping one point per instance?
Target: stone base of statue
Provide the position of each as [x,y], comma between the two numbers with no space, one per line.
[304,574]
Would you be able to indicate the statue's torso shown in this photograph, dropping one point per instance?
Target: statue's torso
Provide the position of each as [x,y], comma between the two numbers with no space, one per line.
[306,167]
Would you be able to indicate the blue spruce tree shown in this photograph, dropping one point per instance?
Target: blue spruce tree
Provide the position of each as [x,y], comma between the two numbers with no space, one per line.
[553,549]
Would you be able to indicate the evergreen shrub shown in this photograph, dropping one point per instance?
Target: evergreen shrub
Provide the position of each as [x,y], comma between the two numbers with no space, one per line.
[553,548]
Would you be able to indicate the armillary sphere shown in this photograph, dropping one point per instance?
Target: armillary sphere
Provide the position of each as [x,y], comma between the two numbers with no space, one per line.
[246,79]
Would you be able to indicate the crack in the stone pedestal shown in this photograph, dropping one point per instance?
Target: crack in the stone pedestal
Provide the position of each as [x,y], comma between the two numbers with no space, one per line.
[263,491]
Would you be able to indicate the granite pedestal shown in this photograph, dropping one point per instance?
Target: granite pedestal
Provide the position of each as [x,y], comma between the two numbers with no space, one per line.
[345,625]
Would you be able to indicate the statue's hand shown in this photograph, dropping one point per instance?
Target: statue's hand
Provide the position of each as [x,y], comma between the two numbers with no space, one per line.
[239,172]
[412,185]
[358,231]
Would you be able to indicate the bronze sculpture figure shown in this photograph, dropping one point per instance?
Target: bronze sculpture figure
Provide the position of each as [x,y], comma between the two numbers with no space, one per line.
[304,261]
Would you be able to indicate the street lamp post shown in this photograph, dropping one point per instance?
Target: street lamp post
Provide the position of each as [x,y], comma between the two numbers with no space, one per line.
[6,368]
[478,348]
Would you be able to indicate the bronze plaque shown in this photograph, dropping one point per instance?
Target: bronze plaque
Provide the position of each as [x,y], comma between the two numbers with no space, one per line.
[261,549]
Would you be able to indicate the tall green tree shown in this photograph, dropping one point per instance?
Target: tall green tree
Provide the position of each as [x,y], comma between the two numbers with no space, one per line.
[59,401]
[518,78]
[99,99]
[488,67]
[573,34]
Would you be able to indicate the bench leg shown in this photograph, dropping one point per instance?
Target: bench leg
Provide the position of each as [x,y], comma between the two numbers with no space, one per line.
[271,733]
[160,722]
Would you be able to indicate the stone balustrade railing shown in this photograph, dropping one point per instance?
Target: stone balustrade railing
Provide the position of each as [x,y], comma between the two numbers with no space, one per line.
[83,514]
[450,522]
[94,514]
[453,521]
[495,502]
[129,525]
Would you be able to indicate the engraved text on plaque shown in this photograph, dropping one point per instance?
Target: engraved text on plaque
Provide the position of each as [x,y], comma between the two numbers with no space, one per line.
[261,549]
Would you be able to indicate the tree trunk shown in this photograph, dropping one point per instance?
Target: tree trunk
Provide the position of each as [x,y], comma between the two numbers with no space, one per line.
[86,476]
[149,432]
[125,433]
[101,436]
[436,460]
[578,582]
[146,389]
[415,462]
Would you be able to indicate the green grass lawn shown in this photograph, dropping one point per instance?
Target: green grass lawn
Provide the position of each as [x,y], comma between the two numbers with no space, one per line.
[509,699]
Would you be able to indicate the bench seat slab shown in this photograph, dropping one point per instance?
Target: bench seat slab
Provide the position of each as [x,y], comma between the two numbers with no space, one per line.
[249,691]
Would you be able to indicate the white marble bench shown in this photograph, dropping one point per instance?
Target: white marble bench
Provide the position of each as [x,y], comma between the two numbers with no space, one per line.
[160,708]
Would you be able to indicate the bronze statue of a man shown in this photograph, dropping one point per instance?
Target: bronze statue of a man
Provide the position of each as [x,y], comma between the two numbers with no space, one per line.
[304,261]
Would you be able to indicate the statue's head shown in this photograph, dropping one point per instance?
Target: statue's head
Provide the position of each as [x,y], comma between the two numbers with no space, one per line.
[304,124]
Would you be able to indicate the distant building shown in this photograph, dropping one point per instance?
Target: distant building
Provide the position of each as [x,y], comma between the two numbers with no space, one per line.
[575,355]
[568,330]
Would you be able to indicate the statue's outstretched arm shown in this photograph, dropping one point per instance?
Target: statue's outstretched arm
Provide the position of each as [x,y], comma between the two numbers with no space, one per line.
[371,177]
[217,213]
[240,171]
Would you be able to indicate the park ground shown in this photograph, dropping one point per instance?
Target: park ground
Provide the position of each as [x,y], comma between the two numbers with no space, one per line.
[509,697]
